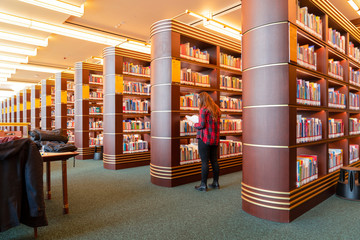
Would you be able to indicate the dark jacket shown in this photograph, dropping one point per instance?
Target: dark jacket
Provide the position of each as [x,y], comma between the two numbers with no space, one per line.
[21,185]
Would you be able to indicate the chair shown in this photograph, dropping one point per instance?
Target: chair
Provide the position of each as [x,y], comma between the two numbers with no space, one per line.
[349,188]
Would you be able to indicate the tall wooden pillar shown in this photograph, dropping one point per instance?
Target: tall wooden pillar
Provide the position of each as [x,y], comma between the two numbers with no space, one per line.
[20,108]
[35,106]
[46,103]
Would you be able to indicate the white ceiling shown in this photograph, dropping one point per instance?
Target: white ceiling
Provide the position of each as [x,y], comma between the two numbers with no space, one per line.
[121,17]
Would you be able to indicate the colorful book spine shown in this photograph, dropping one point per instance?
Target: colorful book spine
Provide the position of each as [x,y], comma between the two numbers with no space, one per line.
[193,53]
[52,113]
[71,136]
[306,56]
[335,69]
[230,61]
[308,129]
[336,99]
[336,159]
[336,128]
[95,124]
[70,123]
[231,104]
[354,52]
[70,86]
[189,102]
[70,97]
[354,126]
[353,153]
[94,110]
[354,101]
[133,69]
[189,154]
[230,148]
[138,126]
[190,77]
[70,111]
[135,106]
[336,40]
[309,21]
[306,169]
[96,79]
[133,144]
[96,141]
[187,128]
[308,93]
[354,76]
[96,94]
[230,83]
[137,88]
[230,125]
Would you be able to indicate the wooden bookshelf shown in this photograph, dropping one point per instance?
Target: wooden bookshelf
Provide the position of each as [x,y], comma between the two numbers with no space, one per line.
[2,110]
[20,108]
[83,72]
[269,186]
[13,112]
[115,77]
[27,105]
[47,104]
[166,169]
[35,106]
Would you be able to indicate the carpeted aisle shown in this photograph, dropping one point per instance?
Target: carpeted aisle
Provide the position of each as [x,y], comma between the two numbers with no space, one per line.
[123,204]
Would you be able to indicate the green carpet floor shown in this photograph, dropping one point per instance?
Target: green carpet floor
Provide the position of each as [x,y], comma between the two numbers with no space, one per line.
[123,204]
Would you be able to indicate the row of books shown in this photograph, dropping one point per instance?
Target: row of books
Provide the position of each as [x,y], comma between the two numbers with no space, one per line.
[136,125]
[336,99]
[189,153]
[231,104]
[354,101]
[309,21]
[230,61]
[335,159]
[130,68]
[354,76]
[70,111]
[70,123]
[133,143]
[71,136]
[308,129]
[306,56]
[335,69]
[230,148]
[354,52]
[306,169]
[230,83]
[336,40]
[187,128]
[97,79]
[354,126]
[194,78]
[96,141]
[136,106]
[336,128]
[194,53]
[95,125]
[70,85]
[70,97]
[353,153]
[189,101]
[95,110]
[308,93]
[96,94]
[230,125]
[137,88]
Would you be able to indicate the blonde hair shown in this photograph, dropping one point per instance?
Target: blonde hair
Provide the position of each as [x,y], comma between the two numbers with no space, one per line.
[207,102]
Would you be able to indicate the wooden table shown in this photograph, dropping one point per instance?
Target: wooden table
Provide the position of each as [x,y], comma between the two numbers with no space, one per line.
[63,157]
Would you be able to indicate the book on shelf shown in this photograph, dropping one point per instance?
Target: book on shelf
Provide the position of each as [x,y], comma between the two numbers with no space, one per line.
[94,109]
[336,99]
[354,101]
[133,143]
[231,62]
[189,101]
[190,77]
[231,104]
[70,86]
[137,70]
[335,69]
[353,153]
[336,40]
[308,129]
[230,148]
[95,141]
[70,97]
[354,52]
[336,157]
[135,125]
[308,21]
[189,153]
[98,93]
[230,125]
[137,88]
[95,124]
[135,106]
[306,169]
[96,79]
[354,126]
[70,123]
[71,136]
[354,76]
[306,56]
[194,53]
[336,128]
[70,111]
[308,93]
[187,128]
[230,83]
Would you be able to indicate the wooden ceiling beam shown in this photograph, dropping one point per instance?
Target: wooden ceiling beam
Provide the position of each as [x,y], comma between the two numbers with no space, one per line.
[356,22]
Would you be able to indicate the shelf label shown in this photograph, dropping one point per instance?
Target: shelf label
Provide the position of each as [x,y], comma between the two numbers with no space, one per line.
[48,100]
[175,66]
[293,43]
[86,92]
[28,105]
[64,96]
[119,84]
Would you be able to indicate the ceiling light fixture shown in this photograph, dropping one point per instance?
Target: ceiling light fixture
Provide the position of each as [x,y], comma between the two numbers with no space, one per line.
[217,26]
[18,50]
[353,5]
[29,67]
[135,45]
[59,6]
[23,39]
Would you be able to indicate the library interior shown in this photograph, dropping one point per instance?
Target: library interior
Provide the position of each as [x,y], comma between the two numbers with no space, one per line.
[102,113]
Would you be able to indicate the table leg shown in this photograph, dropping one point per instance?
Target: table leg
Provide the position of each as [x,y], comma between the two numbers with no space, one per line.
[48,183]
[65,192]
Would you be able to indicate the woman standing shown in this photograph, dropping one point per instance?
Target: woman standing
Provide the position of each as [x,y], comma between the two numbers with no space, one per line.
[208,136]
